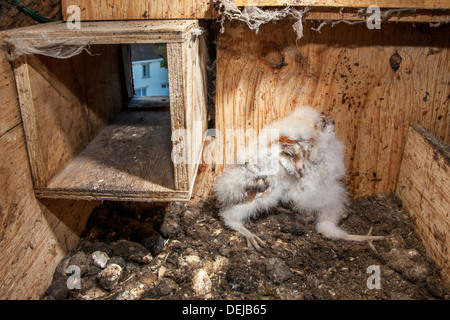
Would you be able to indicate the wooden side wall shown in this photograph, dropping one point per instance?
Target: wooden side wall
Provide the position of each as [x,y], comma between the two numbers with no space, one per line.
[34,234]
[347,72]
[69,101]
[195,100]
[424,188]
[429,4]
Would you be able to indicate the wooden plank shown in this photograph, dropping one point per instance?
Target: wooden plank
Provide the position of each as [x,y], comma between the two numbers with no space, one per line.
[424,188]
[403,11]
[387,15]
[144,196]
[344,72]
[10,115]
[9,108]
[144,9]
[90,88]
[128,70]
[320,9]
[129,159]
[177,79]
[188,94]
[204,179]
[108,32]
[54,92]
[195,102]
[34,235]
[23,83]
[424,4]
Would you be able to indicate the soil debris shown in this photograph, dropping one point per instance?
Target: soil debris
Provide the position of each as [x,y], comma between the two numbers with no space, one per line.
[176,251]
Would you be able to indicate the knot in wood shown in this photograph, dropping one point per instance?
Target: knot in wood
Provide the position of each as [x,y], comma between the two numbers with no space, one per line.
[272,56]
[395,61]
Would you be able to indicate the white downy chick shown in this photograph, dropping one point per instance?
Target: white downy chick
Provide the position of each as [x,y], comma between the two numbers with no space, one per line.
[303,168]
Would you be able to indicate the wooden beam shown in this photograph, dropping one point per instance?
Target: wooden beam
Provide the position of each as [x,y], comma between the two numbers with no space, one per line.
[107,32]
[198,9]
[143,9]
[177,81]
[420,4]
[387,15]
[25,96]
[424,188]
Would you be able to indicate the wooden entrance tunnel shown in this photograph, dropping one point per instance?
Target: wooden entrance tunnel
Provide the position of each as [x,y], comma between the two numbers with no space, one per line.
[83,142]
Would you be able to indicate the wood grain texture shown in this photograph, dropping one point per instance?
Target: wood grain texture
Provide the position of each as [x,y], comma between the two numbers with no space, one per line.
[9,108]
[349,14]
[188,94]
[108,32]
[54,92]
[25,99]
[129,159]
[345,72]
[425,4]
[206,175]
[67,102]
[144,9]
[177,81]
[195,89]
[424,188]
[424,11]
[34,235]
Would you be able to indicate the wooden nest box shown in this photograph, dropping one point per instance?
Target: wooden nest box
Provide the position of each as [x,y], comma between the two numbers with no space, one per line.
[84,139]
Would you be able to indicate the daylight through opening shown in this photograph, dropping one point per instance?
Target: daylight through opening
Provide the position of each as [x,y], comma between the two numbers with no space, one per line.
[150,71]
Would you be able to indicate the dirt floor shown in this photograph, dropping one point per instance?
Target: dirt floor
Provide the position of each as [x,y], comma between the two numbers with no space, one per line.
[131,251]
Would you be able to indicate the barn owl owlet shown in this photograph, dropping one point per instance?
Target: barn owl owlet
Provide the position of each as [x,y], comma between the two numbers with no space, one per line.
[303,168]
